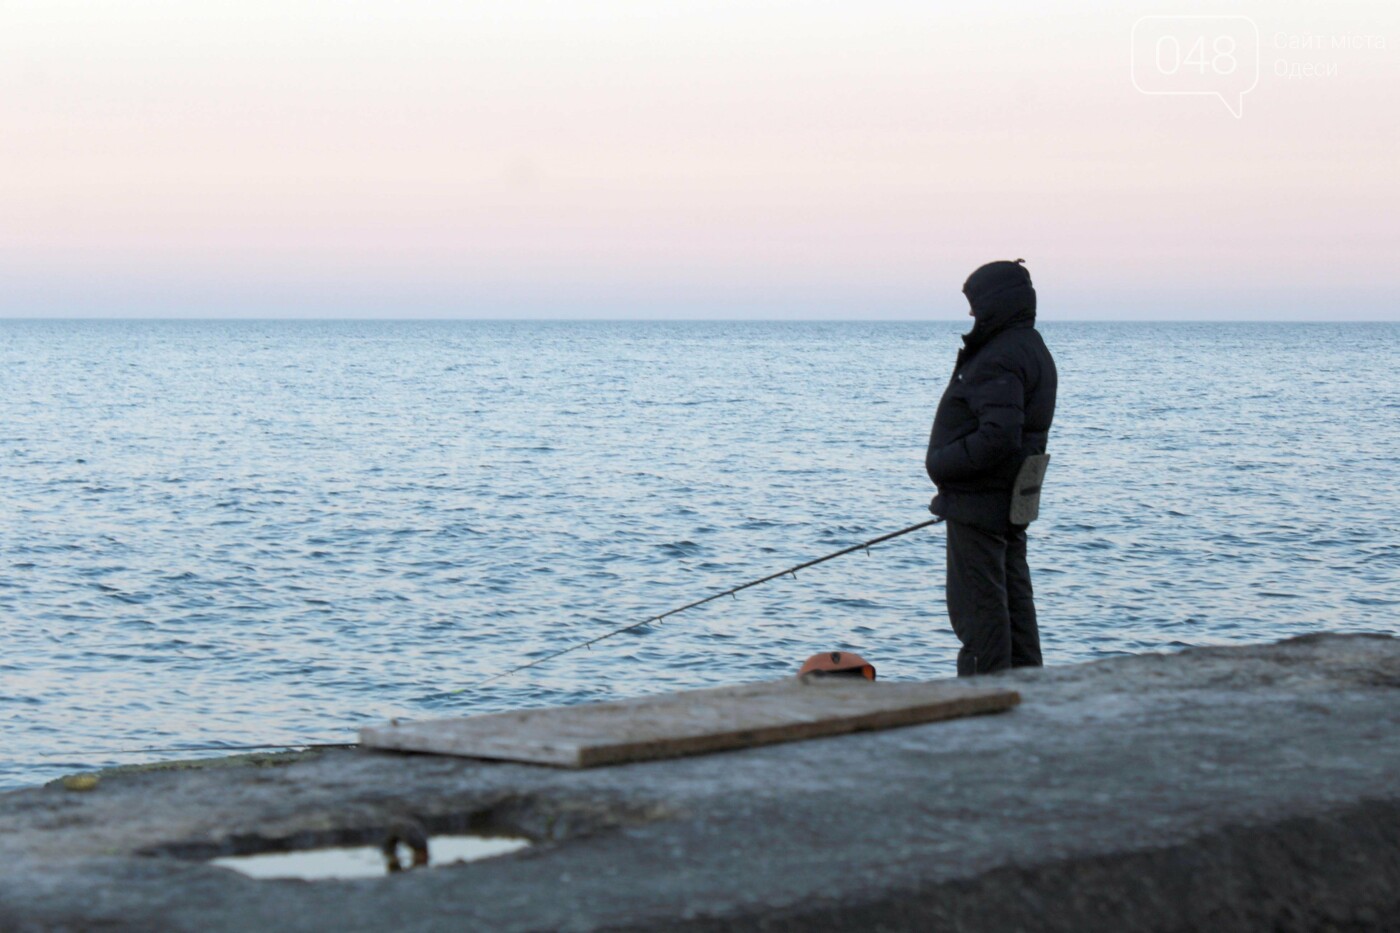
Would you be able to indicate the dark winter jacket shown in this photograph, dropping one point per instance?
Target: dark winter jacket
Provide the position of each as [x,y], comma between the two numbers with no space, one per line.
[999,403]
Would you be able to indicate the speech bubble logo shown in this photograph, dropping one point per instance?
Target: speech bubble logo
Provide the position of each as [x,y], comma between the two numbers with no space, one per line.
[1212,55]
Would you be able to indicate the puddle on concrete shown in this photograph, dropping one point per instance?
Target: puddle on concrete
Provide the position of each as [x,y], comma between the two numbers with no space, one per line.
[367,861]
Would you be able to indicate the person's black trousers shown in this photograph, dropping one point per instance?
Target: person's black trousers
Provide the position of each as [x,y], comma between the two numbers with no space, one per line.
[990,601]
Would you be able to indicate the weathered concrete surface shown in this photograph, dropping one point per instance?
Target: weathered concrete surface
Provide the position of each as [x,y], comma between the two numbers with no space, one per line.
[1218,789]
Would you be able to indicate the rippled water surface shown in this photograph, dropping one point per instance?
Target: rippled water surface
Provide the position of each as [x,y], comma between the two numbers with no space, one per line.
[254,532]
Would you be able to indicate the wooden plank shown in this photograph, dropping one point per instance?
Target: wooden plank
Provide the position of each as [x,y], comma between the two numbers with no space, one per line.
[692,722]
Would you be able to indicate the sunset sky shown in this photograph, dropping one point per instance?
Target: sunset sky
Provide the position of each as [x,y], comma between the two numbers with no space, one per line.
[334,158]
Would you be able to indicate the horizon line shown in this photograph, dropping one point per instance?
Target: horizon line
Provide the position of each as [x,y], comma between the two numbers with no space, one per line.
[677,320]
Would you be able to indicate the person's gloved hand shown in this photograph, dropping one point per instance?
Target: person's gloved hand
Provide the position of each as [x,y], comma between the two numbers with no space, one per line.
[936,504]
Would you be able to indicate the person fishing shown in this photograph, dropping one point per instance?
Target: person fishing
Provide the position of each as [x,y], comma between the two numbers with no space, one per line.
[993,419]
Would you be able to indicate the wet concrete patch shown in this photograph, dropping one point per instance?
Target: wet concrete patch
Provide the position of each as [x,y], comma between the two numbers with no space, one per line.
[392,857]
[546,820]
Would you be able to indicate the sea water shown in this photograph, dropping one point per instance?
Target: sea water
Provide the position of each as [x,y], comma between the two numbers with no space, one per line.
[248,532]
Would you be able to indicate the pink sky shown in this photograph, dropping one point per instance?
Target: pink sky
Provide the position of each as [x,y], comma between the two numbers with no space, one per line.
[642,159]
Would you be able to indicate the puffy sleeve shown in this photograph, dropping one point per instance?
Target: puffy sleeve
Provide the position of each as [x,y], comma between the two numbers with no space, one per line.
[998,399]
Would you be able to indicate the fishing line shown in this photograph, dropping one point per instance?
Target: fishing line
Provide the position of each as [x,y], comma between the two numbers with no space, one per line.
[577,646]
[208,748]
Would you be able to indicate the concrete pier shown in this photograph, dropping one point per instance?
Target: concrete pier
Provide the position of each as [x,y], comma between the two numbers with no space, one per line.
[1222,789]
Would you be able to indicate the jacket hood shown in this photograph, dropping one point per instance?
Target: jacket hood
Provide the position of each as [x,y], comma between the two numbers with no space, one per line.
[1001,294]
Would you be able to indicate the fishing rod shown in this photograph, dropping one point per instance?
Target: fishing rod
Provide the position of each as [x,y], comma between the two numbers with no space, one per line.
[588,643]
[791,571]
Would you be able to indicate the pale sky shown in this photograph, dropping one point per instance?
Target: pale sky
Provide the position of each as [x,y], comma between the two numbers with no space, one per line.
[407,158]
